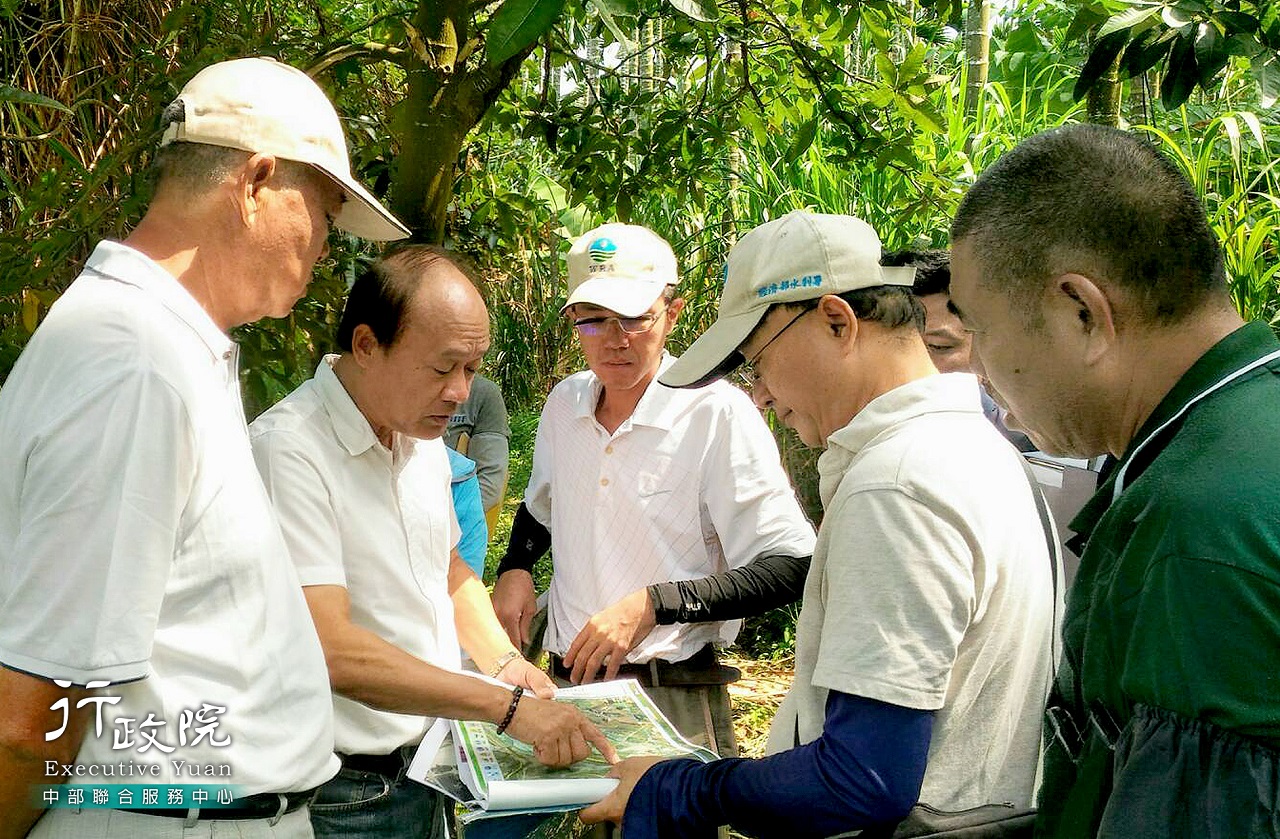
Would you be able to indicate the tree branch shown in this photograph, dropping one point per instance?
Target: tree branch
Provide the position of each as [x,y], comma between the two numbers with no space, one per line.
[366,53]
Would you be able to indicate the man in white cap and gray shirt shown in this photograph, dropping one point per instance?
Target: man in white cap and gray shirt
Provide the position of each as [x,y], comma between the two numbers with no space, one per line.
[668,512]
[923,648]
[151,624]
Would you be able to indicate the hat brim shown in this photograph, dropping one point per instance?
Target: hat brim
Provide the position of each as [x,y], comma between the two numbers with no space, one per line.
[363,215]
[629,298]
[715,354]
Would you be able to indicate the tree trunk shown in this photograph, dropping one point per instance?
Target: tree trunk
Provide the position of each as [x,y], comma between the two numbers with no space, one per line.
[977,46]
[450,88]
[1104,96]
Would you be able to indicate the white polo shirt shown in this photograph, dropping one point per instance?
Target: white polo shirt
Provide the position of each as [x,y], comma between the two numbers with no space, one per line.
[138,547]
[378,523]
[930,589]
[688,486]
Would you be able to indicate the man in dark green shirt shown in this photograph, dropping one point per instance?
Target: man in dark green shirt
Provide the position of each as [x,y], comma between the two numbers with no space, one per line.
[1085,267]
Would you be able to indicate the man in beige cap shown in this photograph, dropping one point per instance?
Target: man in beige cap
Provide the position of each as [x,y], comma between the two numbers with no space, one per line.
[144,582]
[669,514]
[923,648]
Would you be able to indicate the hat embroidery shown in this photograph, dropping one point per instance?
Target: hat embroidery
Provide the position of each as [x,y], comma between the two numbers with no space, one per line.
[809,281]
[602,250]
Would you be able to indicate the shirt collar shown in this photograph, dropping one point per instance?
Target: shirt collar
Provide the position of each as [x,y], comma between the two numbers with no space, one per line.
[658,406]
[121,263]
[1249,342]
[933,394]
[353,430]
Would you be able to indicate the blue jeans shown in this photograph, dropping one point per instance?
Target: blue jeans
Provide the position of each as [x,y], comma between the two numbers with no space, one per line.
[367,805]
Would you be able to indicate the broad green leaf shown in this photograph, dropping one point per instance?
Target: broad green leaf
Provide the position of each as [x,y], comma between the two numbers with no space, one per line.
[1210,55]
[1100,60]
[1129,19]
[26,97]
[910,67]
[1231,126]
[1266,69]
[1145,52]
[1255,127]
[1175,18]
[516,25]
[1180,75]
[803,139]
[30,310]
[606,16]
[700,10]
[886,68]
[1238,22]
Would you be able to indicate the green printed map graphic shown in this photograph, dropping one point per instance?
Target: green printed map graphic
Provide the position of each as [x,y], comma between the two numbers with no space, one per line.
[630,722]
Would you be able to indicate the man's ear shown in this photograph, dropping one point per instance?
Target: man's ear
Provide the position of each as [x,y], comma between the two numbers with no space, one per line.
[838,319]
[364,344]
[1083,310]
[256,173]
[674,308]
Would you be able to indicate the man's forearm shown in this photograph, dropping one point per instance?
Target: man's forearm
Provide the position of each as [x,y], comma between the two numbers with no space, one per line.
[25,716]
[479,632]
[762,584]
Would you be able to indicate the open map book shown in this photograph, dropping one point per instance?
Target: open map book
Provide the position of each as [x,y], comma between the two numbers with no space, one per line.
[493,774]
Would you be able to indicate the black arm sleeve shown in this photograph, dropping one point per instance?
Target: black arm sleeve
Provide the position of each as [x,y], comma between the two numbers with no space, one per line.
[529,541]
[762,584]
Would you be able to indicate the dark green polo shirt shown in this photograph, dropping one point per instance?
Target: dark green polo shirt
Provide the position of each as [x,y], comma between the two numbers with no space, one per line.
[1176,604]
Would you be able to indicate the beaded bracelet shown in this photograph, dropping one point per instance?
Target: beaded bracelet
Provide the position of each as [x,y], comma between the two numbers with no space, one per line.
[516,693]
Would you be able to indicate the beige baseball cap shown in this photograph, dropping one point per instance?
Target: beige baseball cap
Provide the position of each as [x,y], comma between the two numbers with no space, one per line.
[801,256]
[262,105]
[622,267]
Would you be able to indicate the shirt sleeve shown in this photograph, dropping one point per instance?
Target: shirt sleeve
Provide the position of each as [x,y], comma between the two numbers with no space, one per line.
[865,769]
[105,485]
[902,575]
[305,508]
[745,491]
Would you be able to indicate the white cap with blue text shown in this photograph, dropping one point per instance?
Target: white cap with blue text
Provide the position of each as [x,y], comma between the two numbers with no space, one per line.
[798,257]
[620,267]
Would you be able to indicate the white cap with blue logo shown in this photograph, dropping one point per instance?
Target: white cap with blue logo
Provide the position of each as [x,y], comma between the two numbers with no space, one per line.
[620,267]
[798,257]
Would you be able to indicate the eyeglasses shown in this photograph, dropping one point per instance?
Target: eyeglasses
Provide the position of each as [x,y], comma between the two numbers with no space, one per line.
[747,371]
[597,326]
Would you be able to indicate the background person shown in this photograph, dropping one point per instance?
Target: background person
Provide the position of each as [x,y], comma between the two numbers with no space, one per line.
[1086,269]
[138,550]
[635,486]
[480,430]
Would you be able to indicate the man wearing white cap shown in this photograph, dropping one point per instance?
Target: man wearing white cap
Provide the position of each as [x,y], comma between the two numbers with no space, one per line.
[923,649]
[144,582]
[669,512]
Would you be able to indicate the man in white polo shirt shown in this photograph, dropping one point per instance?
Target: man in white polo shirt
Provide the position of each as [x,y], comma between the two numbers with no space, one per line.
[923,649]
[669,512]
[139,554]
[355,464]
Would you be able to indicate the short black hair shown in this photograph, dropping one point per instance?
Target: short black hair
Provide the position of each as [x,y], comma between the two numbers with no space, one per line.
[1097,201]
[891,306]
[933,269]
[383,292]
